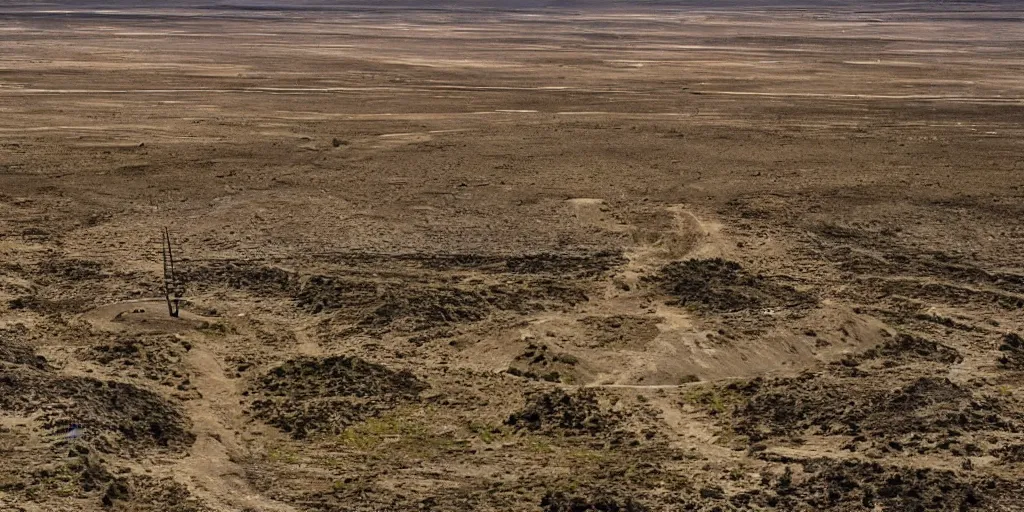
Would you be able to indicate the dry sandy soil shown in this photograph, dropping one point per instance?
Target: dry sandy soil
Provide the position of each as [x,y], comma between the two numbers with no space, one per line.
[616,258]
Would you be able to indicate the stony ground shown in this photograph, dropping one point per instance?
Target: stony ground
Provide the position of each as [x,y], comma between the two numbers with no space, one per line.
[622,258]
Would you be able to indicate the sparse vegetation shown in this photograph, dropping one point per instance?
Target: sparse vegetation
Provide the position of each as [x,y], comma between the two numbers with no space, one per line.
[562,256]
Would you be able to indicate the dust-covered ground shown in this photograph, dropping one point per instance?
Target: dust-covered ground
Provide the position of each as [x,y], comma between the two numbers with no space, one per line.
[632,257]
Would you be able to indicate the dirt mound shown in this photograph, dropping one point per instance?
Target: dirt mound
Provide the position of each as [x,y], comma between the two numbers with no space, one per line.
[633,480]
[1012,454]
[111,416]
[538,362]
[563,502]
[375,305]
[906,349]
[1012,349]
[240,275]
[411,306]
[898,419]
[721,286]
[309,396]
[86,476]
[855,485]
[620,330]
[871,287]
[13,348]
[881,260]
[324,293]
[80,472]
[143,493]
[153,357]
[49,306]
[72,269]
[307,377]
[557,411]
[60,285]
[575,266]
[426,308]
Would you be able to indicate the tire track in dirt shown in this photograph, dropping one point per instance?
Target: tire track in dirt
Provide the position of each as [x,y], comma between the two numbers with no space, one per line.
[217,420]
[307,345]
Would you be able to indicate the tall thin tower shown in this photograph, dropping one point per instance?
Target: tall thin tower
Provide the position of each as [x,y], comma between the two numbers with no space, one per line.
[172,286]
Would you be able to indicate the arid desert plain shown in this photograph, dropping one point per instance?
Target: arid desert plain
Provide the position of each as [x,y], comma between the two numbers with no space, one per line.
[553,256]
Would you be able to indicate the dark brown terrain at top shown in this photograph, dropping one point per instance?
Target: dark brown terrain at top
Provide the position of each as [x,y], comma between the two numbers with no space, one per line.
[554,258]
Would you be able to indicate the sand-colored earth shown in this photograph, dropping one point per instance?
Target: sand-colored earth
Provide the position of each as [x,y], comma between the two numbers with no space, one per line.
[616,257]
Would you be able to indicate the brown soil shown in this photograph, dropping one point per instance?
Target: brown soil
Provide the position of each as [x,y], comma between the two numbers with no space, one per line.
[1012,349]
[324,396]
[540,362]
[906,418]
[112,416]
[720,286]
[558,411]
[15,350]
[155,358]
[906,349]
[562,502]
[614,256]
[619,331]
[850,485]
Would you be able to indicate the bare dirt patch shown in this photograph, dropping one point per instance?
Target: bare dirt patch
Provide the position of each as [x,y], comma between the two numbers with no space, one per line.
[619,331]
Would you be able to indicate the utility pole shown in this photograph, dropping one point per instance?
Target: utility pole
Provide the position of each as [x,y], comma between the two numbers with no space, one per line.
[172,287]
